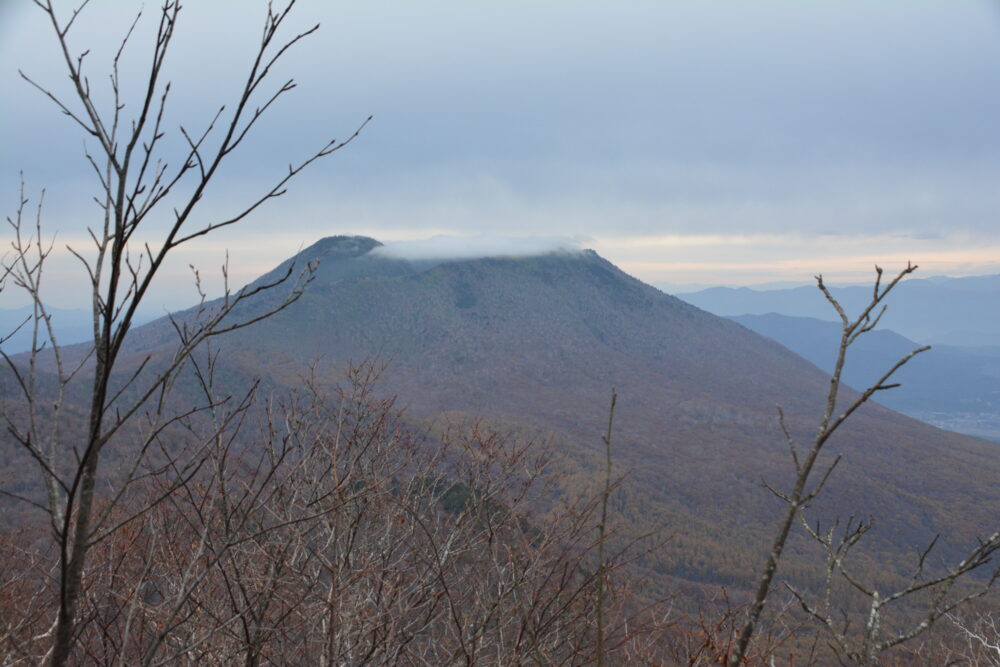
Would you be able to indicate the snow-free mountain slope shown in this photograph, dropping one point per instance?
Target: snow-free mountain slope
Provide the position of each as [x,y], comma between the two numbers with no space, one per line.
[536,343]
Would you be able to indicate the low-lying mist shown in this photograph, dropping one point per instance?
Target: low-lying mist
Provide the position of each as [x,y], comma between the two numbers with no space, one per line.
[474,247]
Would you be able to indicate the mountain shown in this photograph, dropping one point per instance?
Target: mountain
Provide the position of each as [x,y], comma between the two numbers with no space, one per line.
[957,388]
[949,311]
[533,345]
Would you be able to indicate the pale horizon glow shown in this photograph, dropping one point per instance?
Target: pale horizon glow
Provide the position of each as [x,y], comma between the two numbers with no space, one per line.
[682,263]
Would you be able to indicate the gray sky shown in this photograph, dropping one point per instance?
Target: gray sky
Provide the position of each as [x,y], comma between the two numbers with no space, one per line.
[689,142]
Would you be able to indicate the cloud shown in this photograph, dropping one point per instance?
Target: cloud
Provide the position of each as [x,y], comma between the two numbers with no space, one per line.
[706,142]
[473,247]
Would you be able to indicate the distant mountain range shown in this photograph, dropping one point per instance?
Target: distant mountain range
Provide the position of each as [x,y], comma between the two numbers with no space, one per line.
[533,346]
[957,388]
[70,325]
[946,311]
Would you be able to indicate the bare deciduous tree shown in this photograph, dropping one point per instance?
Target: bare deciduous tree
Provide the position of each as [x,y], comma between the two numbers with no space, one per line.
[980,633]
[796,501]
[876,638]
[135,185]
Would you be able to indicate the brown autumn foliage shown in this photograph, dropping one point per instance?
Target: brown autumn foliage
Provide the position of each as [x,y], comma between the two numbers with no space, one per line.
[329,532]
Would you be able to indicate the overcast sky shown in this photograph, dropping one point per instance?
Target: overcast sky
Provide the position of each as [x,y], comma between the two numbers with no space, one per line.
[688,142]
